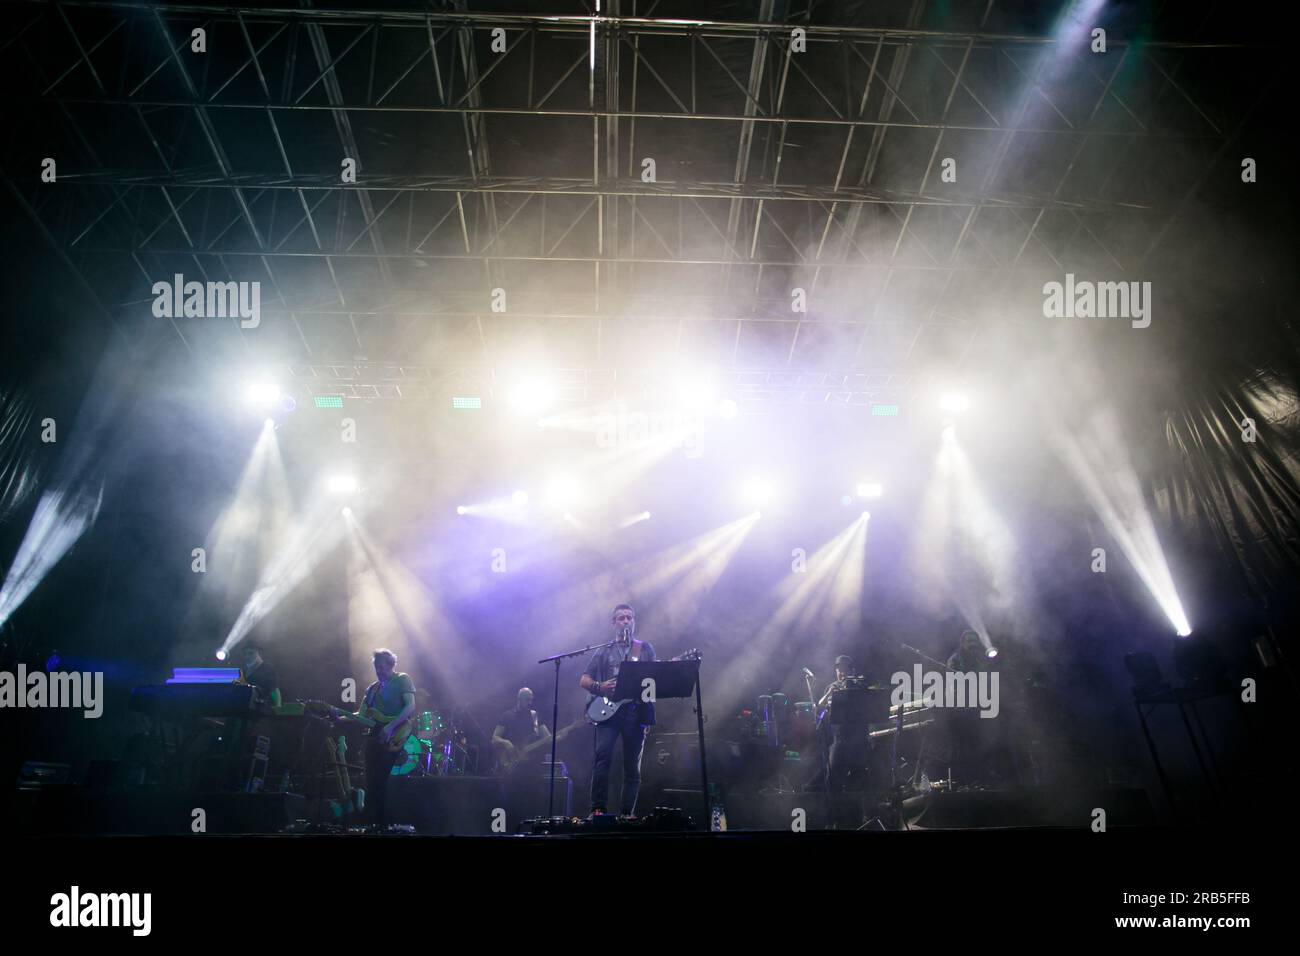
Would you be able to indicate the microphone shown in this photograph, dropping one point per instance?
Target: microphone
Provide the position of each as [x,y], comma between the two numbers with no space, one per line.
[809,674]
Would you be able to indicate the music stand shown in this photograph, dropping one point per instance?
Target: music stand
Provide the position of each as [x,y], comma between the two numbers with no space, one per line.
[672,679]
[859,706]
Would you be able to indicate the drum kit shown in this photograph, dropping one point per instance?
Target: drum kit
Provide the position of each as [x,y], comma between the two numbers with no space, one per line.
[439,746]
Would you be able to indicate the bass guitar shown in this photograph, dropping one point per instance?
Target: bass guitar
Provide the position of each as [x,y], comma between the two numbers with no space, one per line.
[601,709]
[508,760]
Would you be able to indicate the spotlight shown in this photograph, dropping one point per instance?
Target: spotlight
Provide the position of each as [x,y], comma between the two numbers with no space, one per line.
[346,512]
[263,394]
[461,509]
[757,490]
[991,652]
[727,408]
[953,402]
[532,396]
[1185,631]
[221,655]
[520,498]
[562,492]
[870,490]
[342,484]
[846,500]
[635,519]
[866,515]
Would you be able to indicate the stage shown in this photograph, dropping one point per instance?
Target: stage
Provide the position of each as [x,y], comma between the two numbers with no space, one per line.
[815,446]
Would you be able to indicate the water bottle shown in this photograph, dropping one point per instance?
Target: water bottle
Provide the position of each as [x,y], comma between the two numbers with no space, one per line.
[717,813]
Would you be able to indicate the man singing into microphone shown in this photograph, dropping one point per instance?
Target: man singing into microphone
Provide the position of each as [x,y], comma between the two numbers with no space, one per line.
[629,723]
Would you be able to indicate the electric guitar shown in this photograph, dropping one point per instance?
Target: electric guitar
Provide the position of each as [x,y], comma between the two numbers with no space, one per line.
[376,721]
[508,760]
[601,709]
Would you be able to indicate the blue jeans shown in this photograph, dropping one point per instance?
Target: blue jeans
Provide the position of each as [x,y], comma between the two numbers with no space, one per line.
[622,725]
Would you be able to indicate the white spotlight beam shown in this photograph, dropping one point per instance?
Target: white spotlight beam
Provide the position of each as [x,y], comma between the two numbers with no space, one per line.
[60,519]
[1096,455]
[312,539]
[822,597]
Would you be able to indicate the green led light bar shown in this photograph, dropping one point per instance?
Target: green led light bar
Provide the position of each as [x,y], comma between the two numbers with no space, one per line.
[329,401]
[466,401]
[884,409]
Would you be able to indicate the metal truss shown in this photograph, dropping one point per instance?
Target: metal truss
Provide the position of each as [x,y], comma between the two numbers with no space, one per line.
[777,168]
[748,387]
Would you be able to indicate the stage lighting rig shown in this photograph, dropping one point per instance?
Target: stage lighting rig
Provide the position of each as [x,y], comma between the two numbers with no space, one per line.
[562,492]
[757,491]
[342,484]
[532,396]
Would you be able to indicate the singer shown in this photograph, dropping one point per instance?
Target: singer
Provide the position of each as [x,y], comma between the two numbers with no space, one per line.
[629,724]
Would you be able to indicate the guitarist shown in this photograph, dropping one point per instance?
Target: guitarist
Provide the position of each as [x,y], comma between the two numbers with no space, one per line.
[392,693]
[631,722]
[517,729]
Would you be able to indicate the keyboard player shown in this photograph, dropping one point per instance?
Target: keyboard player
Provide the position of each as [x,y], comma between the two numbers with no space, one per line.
[260,674]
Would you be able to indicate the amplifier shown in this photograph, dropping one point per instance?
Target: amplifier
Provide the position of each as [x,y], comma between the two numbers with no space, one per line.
[674,759]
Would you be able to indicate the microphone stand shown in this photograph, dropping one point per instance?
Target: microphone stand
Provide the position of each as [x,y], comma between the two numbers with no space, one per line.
[808,678]
[555,709]
[922,654]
